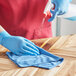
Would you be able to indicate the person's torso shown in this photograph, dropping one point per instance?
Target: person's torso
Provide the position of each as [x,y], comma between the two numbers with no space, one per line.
[24,18]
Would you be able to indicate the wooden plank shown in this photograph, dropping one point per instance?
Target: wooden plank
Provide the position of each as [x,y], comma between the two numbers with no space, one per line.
[60,42]
[67,68]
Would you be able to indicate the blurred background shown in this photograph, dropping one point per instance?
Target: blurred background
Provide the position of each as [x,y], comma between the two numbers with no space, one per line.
[61,26]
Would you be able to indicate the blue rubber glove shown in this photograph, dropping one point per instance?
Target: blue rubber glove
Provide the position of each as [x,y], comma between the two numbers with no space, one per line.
[61,7]
[44,60]
[18,45]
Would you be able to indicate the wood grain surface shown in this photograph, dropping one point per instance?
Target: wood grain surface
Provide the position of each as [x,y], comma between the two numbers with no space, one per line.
[64,46]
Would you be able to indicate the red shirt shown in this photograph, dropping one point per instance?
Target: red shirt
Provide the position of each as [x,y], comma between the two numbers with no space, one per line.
[24,18]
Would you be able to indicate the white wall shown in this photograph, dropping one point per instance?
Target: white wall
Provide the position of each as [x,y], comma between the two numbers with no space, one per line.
[54,28]
[67,27]
[74,1]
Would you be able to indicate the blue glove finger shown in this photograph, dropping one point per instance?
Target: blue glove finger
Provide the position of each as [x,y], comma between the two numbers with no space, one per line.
[21,52]
[61,13]
[26,52]
[29,41]
[26,40]
[31,46]
[54,14]
[30,50]
[28,45]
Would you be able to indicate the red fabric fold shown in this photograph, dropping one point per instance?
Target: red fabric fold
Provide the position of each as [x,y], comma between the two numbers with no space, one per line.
[24,18]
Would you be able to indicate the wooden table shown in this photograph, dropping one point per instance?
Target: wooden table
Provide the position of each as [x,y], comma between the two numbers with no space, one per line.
[64,46]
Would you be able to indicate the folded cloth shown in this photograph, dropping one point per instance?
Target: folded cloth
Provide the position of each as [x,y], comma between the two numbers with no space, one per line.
[71,18]
[44,60]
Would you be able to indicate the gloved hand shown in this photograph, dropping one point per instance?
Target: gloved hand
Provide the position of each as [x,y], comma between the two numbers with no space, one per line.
[44,60]
[61,7]
[18,45]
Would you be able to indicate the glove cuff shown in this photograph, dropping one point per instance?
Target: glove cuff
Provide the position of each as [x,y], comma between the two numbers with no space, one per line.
[3,34]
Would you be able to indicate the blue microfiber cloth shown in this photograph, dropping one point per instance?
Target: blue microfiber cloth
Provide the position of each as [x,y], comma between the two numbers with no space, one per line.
[44,60]
[71,18]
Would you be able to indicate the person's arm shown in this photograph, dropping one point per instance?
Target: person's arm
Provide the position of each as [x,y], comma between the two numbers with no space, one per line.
[1,29]
[16,44]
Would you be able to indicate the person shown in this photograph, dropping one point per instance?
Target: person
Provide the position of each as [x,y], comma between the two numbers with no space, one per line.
[22,19]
